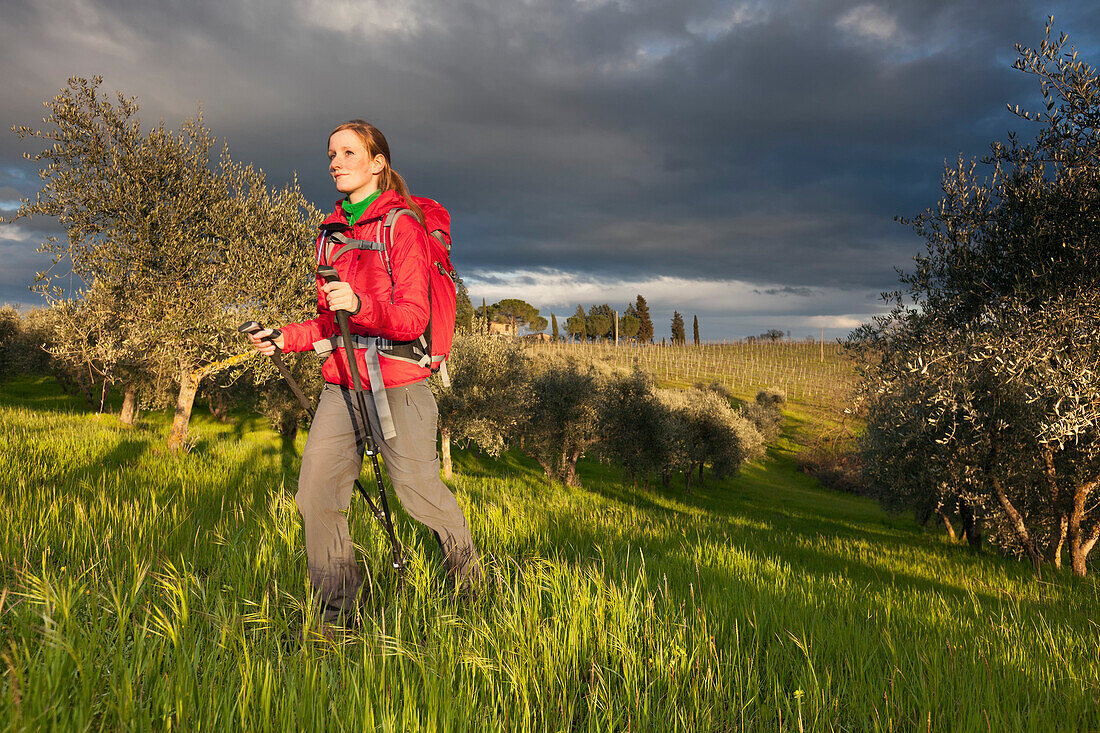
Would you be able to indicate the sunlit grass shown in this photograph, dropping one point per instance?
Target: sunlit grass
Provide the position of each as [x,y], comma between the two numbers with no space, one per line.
[142,590]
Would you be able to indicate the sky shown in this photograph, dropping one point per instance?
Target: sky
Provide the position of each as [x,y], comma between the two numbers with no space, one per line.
[741,161]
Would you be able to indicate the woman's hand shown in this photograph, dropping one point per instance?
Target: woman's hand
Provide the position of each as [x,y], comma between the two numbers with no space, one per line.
[340,297]
[265,347]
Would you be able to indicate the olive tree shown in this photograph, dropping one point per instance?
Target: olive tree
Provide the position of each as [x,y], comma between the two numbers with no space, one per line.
[90,338]
[487,399]
[986,368]
[183,242]
[905,456]
[277,402]
[11,328]
[1052,355]
[24,339]
[765,413]
[563,416]
[705,430]
[634,425]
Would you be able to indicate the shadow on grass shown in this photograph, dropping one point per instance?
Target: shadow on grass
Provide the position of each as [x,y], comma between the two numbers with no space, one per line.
[865,608]
[787,558]
[41,394]
[819,533]
[790,541]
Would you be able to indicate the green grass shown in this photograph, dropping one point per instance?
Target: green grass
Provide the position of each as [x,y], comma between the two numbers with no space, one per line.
[142,590]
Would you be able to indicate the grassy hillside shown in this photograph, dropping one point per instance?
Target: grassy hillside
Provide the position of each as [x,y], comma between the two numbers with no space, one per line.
[141,590]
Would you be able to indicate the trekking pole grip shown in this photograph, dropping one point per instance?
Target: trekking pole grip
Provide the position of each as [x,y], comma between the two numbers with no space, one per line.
[329,275]
[253,327]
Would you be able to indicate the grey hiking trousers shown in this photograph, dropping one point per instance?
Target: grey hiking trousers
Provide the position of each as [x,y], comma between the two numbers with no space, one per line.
[331,462]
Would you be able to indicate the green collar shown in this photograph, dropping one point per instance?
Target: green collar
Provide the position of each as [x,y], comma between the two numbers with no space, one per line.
[354,211]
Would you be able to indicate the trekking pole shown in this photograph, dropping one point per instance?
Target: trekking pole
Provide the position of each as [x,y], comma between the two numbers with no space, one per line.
[329,275]
[252,327]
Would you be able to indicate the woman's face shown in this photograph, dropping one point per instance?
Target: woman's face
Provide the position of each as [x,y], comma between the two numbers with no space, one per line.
[356,174]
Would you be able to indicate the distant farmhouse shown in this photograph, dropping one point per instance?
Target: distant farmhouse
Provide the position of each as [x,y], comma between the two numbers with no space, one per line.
[510,331]
[502,329]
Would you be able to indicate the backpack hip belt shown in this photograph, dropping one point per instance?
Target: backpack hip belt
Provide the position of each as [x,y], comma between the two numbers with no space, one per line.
[370,344]
[413,352]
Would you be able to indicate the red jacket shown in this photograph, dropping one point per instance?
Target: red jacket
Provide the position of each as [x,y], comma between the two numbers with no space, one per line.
[395,309]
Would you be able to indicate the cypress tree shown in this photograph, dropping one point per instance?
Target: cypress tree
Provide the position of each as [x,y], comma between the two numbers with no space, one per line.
[645,323]
[554,326]
[575,325]
[464,310]
[678,334]
[695,328]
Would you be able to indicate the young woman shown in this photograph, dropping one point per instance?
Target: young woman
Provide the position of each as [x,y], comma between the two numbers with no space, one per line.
[390,302]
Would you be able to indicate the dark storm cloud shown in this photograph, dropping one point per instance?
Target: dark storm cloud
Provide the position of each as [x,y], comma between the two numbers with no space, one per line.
[759,142]
[787,290]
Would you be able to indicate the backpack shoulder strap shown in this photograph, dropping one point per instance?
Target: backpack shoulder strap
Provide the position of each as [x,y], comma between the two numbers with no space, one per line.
[387,232]
[391,218]
[438,234]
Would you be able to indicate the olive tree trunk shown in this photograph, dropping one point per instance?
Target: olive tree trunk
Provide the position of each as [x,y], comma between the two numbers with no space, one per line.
[129,405]
[218,403]
[946,522]
[1058,537]
[547,467]
[189,385]
[1079,544]
[1081,552]
[569,468]
[1058,541]
[1017,521]
[445,450]
[972,529]
[103,390]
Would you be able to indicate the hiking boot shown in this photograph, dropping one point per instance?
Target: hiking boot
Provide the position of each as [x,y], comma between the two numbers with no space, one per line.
[332,633]
[335,621]
[463,569]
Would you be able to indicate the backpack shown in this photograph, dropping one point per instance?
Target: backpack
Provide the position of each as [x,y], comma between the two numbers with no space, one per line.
[431,348]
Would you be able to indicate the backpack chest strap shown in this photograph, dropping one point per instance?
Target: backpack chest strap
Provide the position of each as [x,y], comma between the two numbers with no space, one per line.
[347,244]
